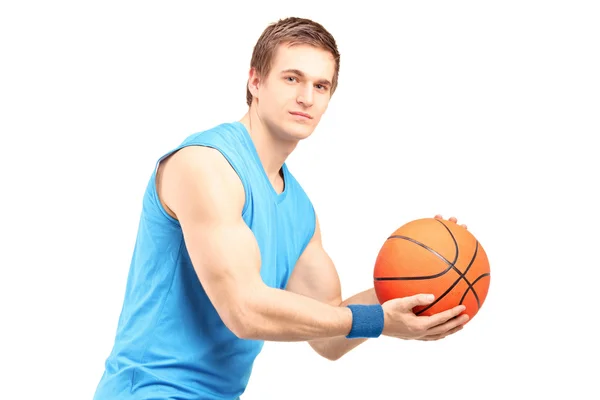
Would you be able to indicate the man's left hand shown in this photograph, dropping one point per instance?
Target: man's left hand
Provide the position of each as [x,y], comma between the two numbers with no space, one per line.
[451,219]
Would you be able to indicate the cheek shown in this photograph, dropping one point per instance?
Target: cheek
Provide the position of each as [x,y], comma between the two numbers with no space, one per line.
[322,106]
[272,104]
[279,99]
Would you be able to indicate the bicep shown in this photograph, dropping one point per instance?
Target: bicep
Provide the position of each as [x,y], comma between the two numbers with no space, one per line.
[207,197]
[315,274]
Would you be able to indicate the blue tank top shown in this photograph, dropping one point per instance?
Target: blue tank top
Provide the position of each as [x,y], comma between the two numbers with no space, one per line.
[170,342]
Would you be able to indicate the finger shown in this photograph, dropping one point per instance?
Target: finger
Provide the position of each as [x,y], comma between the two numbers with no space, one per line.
[438,216]
[453,331]
[464,226]
[453,219]
[447,327]
[442,317]
[441,336]
[421,299]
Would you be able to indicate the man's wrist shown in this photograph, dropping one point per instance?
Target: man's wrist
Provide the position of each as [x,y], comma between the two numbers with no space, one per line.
[367,321]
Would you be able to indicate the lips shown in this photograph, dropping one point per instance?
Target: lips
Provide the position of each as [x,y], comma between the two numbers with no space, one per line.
[301,114]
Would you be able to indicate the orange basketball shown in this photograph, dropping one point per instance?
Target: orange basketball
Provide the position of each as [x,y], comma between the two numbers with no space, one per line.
[436,257]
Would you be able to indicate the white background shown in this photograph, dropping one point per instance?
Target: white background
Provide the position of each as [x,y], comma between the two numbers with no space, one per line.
[488,111]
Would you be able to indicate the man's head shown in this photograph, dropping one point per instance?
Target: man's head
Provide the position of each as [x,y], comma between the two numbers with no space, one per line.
[294,70]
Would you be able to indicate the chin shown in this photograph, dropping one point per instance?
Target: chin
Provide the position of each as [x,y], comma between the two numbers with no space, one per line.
[298,131]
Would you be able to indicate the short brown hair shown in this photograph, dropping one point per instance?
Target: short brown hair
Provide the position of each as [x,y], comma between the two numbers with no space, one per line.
[293,31]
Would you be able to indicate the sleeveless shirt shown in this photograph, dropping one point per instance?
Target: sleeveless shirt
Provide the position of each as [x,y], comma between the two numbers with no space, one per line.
[170,342]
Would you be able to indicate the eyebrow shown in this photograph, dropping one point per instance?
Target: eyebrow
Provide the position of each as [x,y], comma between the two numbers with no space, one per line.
[300,73]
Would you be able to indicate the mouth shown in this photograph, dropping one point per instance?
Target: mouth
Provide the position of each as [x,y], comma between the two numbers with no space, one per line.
[301,114]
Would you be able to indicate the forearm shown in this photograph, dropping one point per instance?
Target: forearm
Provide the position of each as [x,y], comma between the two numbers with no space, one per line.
[277,315]
[335,347]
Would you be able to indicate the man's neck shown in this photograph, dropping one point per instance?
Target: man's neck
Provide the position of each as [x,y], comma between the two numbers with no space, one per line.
[271,151]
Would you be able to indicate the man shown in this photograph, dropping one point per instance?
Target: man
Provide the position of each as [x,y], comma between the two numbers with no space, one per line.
[228,253]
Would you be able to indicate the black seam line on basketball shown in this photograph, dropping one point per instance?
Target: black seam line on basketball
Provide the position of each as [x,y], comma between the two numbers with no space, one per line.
[456,283]
[463,275]
[453,239]
[451,265]
[474,282]
[412,278]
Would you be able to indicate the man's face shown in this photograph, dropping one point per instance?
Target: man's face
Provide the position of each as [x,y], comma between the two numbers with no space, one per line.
[296,93]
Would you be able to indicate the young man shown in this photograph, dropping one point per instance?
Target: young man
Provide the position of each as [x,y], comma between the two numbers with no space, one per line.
[228,253]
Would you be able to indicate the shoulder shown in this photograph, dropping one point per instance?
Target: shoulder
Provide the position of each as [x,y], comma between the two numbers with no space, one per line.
[197,175]
[199,165]
[216,147]
[229,140]
[227,132]
[196,159]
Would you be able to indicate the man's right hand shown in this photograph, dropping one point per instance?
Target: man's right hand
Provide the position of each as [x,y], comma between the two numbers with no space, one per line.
[401,322]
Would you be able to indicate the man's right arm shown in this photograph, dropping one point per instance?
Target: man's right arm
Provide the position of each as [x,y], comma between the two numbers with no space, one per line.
[205,194]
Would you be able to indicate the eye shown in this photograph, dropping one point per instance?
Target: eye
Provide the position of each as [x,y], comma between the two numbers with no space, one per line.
[290,78]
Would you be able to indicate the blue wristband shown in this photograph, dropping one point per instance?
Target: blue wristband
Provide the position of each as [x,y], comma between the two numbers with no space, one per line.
[367,321]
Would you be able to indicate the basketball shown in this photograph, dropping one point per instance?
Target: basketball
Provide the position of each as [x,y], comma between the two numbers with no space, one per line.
[436,257]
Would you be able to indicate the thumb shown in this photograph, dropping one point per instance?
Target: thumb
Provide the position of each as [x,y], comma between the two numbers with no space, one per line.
[420,299]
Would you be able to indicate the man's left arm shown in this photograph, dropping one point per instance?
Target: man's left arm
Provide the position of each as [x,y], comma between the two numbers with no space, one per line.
[315,276]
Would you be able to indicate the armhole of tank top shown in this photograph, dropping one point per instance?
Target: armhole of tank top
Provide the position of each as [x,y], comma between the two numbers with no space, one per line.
[159,204]
[155,198]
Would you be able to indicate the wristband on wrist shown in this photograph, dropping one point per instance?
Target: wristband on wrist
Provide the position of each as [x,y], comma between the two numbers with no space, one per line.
[367,321]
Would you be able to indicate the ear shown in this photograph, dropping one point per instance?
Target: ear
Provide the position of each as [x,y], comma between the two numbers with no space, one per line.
[253,82]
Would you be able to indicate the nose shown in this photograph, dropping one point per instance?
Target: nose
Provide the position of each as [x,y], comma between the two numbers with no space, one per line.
[305,95]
